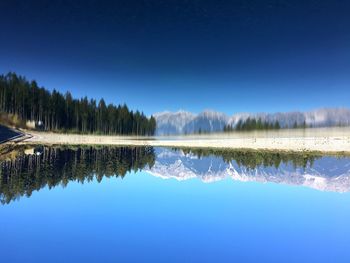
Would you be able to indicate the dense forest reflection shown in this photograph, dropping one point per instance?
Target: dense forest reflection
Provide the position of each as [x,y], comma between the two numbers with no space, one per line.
[26,170]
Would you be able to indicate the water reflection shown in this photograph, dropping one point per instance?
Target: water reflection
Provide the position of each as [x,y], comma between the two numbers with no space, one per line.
[326,173]
[25,170]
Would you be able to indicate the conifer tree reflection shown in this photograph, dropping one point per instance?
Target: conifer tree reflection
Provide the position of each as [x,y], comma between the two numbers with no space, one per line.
[254,159]
[58,166]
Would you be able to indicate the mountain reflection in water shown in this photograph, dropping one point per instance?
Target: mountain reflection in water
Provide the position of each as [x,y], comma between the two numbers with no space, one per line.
[326,173]
[25,170]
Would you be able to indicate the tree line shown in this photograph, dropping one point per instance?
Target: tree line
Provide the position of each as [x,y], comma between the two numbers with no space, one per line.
[62,112]
[251,124]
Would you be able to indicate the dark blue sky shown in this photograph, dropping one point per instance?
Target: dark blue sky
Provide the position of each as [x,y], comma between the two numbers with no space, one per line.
[165,55]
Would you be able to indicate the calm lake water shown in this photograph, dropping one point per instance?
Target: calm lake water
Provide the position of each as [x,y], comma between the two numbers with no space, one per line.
[143,204]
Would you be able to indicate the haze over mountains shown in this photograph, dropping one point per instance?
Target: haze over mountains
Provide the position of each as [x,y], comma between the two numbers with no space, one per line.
[183,122]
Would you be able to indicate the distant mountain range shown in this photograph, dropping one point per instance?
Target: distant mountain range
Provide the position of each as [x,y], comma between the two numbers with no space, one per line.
[183,122]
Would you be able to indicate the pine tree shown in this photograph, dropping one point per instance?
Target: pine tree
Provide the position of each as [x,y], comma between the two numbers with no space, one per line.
[27,101]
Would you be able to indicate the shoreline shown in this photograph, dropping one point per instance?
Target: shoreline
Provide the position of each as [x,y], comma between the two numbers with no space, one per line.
[323,140]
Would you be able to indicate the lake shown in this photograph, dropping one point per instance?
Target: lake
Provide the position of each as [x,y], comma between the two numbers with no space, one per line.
[144,204]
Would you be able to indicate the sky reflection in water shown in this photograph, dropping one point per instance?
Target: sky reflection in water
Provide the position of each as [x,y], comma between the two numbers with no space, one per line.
[139,217]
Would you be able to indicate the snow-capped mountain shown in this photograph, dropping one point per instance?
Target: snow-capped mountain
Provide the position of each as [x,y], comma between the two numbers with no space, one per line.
[183,122]
[287,119]
[317,118]
[207,121]
[325,173]
[328,117]
[172,122]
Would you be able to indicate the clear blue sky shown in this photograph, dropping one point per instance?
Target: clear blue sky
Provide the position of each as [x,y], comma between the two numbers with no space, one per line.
[229,56]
